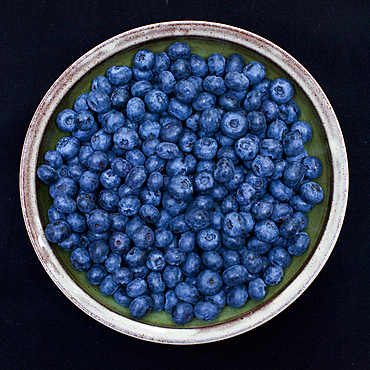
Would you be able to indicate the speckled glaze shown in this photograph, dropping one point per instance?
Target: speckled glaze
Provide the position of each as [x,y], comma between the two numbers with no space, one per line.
[325,220]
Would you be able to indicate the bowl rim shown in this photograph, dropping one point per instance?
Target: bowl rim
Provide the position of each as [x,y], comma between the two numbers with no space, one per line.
[125,40]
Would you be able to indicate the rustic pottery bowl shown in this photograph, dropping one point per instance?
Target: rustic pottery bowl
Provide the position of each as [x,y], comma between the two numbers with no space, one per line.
[204,38]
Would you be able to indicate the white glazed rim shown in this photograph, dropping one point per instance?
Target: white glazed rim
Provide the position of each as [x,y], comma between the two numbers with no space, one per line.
[126,40]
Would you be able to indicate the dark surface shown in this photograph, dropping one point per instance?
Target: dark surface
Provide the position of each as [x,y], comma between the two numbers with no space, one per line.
[327,327]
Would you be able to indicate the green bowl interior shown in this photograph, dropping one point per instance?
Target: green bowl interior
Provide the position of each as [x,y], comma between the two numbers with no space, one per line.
[318,146]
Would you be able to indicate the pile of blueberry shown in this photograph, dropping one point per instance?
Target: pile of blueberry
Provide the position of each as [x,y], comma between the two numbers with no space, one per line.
[183,183]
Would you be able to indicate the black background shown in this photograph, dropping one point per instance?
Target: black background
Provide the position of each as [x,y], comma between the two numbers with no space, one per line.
[326,328]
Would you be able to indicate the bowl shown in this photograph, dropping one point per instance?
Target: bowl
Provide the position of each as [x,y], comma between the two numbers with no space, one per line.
[204,38]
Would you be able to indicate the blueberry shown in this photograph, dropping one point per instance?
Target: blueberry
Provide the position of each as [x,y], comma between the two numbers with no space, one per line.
[182,313]
[179,110]
[312,193]
[262,210]
[119,242]
[229,102]
[270,109]
[57,231]
[208,239]
[293,143]
[210,120]
[158,301]
[98,101]
[206,311]
[96,274]
[98,251]
[171,301]
[187,140]
[101,141]
[280,191]
[85,203]
[187,241]
[166,82]
[294,174]
[229,204]
[68,147]
[80,259]
[181,69]
[224,170]
[266,231]
[281,90]
[281,211]
[313,167]
[257,245]
[277,130]
[121,166]
[98,221]
[255,72]
[175,256]
[119,98]
[298,204]
[298,245]
[179,50]
[191,265]
[161,62]
[236,81]
[251,260]
[113,262]
[237,296]
[214,85]
[47,174]
[234,62]
[172,275]
[257,289]
[216,64]
[71,243]
[54,214]
[173,206]
[135,257]
[135,109]
[204,100]
[139,272]
[234,275]
[112,121]
[140,88]
[141,306]
[171,130]
[144,59]
[209,282]
[187,293]
[66,120]
[252,101]
[80,102]
[53,159]
[273,274]
[279,256]
[156,101]
[256,122]
[289,112]
[230,258]
[198,65]
[234,125]
[246,193]
[119,75]
[212,260]
[122,298]
[155,282]
[204,182]
[304,128]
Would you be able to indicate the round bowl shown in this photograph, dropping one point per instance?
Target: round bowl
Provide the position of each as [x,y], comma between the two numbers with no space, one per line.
[204,38]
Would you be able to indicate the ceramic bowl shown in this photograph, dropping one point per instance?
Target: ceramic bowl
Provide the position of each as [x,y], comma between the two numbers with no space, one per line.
[204,38]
